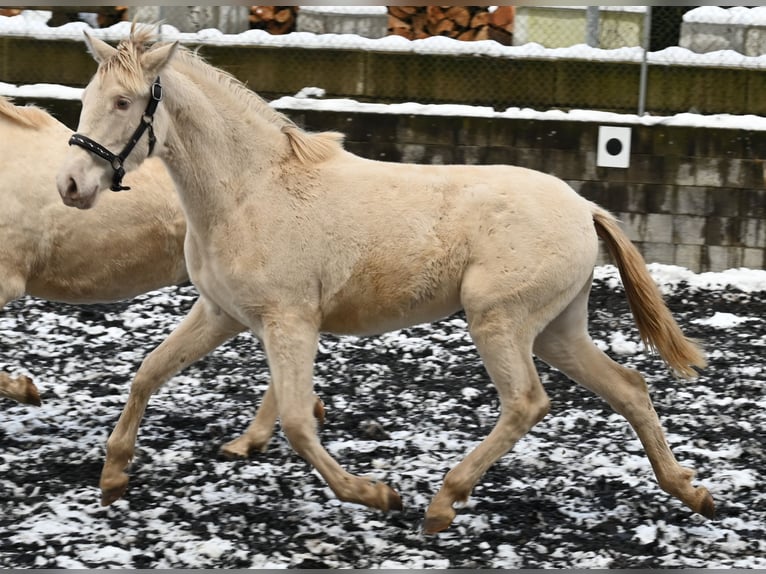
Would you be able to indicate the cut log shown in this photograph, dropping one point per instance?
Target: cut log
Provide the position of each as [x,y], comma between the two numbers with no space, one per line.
[402,12]
[273,19]
[502,17]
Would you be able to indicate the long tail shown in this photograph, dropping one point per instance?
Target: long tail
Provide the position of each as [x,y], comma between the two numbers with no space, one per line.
[657,327]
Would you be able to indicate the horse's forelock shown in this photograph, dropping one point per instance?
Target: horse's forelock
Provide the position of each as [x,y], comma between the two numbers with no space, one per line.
[142,34]
[126,62]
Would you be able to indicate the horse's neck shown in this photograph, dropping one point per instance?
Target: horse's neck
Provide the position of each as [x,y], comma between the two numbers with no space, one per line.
[212,149]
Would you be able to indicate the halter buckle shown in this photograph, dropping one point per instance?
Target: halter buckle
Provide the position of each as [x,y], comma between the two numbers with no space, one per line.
[156,91]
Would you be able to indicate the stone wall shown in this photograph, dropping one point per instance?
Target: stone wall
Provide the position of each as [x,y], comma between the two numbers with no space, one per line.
[691,196]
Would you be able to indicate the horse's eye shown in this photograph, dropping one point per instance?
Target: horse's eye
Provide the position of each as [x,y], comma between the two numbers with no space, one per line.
[122,103]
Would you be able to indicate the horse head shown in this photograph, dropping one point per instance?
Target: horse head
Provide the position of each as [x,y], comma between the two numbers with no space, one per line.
[121,121]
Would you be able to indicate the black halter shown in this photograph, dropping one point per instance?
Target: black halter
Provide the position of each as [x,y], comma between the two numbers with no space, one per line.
[117,160]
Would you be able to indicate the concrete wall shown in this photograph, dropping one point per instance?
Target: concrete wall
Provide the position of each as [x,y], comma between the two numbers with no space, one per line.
[747,39]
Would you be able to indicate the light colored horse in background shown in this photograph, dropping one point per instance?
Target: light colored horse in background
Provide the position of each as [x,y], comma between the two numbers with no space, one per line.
[289,235]
[131,244]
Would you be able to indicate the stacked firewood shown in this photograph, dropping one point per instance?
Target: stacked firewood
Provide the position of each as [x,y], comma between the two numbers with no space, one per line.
[273,19]
[459,22]
[110,15]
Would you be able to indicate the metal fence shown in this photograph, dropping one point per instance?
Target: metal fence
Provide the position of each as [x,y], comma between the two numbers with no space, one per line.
[582,36]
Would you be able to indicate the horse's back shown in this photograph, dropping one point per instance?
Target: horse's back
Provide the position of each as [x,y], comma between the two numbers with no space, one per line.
[25,116]
[485,206]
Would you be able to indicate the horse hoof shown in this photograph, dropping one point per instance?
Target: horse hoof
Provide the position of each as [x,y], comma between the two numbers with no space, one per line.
[31,394]
[234,451]
[110,494]
[434,524]
[438,516]
[707,507]
[319,411]
[394,500]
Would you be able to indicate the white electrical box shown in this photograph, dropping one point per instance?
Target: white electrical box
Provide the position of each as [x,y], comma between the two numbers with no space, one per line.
[613,147]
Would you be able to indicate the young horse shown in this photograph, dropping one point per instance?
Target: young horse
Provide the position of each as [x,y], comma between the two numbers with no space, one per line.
[289,235]
[131,244]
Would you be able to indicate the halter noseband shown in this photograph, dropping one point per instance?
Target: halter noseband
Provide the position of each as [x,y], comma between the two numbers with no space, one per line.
[117,160]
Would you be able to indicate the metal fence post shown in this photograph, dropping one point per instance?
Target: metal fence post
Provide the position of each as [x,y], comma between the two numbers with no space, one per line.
[591,26]
[644,63]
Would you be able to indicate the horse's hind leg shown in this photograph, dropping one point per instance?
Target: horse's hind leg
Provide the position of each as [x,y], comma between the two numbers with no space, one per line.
[290,343]
[566,345]
[506,350]
[260,430]
[202,330]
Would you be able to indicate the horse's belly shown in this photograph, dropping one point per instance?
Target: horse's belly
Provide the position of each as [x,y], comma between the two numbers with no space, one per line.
[370,317]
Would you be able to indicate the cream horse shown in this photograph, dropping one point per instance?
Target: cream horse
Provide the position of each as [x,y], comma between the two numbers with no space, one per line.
[289,235]
[131,244]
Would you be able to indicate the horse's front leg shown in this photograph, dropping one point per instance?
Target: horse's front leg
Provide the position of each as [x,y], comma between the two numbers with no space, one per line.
[202,330]
[291,343]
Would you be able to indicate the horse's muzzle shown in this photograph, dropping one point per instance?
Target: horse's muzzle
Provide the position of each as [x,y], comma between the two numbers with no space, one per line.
[72,196]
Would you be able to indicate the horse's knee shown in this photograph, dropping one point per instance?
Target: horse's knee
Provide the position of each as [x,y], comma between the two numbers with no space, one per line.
[528,408]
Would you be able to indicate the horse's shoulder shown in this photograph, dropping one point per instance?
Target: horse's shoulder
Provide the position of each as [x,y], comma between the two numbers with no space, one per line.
[313,147]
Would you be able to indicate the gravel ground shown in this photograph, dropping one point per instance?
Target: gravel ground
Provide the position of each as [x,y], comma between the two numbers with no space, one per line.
[576,492]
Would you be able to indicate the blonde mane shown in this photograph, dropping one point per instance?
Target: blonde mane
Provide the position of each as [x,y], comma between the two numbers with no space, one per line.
[307,147]
[27,116]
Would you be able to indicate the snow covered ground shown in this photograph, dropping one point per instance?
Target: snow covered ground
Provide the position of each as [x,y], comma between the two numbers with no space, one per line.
[576,492]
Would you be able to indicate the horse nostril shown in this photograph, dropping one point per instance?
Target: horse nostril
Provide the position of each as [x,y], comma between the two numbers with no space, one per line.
[71,189]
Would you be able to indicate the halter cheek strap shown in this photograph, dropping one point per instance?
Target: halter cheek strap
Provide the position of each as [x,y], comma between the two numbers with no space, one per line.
[117,161]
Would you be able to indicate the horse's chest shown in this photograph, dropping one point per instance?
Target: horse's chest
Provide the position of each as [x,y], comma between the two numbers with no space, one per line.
[209,273]
[233,279]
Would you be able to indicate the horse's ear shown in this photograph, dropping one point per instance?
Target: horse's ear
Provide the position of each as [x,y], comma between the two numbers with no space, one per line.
[156,58]
[100,50]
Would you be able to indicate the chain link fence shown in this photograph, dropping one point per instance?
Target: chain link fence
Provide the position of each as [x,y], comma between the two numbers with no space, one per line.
[622,45]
